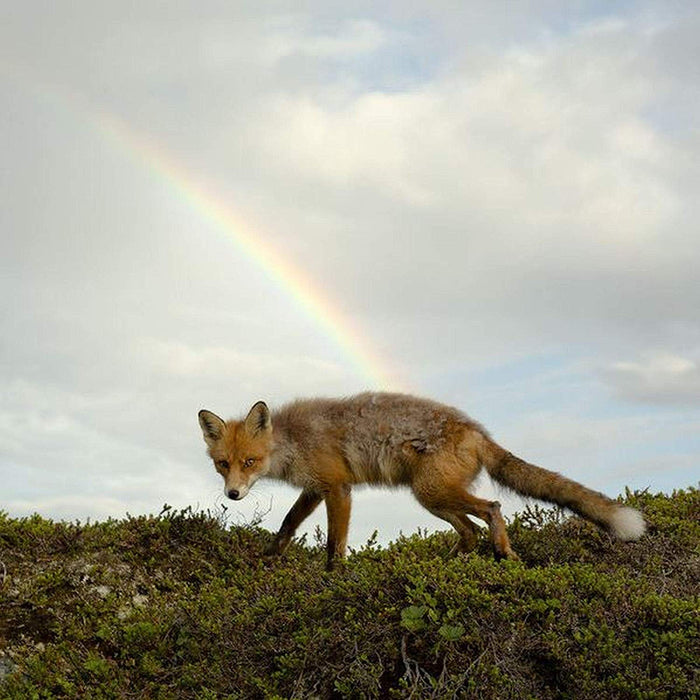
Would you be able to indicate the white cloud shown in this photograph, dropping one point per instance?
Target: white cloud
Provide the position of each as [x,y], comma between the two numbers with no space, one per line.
[556,136]
[659,378]
[532,195]
[353,37]
[472,185]
[223,362]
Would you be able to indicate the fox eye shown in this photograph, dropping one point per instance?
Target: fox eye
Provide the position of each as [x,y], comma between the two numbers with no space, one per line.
[249,462]
[223,464]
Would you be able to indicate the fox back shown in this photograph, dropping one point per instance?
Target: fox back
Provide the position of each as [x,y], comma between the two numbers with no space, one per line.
[376,435]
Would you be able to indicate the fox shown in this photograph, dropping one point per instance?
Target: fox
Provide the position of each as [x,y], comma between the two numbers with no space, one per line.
[325,446]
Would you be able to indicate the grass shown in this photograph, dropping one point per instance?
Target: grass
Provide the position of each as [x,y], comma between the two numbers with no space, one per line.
[180,605]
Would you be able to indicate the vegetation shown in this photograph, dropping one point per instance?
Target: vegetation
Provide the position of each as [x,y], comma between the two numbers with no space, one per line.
[182,606]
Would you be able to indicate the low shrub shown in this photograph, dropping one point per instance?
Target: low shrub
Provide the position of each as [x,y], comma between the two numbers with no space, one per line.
[181,606]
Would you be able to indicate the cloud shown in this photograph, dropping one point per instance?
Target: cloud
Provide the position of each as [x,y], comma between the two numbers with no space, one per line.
[352,38]
[536,178]
[470,186]
[662,379]
[223,362]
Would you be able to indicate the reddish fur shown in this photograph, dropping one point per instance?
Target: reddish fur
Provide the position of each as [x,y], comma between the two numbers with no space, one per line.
[326,445]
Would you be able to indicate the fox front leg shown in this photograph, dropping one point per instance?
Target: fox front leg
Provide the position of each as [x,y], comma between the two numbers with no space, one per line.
[338,510]
[302,508]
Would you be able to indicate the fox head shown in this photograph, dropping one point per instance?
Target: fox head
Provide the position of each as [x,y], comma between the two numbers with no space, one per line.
[240,449]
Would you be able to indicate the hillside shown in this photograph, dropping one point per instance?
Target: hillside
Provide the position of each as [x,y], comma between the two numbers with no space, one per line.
[180,605]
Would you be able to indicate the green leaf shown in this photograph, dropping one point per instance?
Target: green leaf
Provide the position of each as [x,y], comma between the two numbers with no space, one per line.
[451,633]
[412,617]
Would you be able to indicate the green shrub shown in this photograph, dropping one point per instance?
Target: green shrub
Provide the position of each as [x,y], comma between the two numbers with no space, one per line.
[180,605]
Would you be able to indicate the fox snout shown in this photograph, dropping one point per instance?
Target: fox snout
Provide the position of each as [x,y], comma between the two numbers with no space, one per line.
[236,493]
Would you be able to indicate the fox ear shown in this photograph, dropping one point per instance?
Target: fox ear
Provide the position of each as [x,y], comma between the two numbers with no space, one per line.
[212,426]
[258,419]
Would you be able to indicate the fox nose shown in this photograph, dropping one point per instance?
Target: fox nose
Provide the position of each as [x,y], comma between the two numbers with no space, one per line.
[233,493]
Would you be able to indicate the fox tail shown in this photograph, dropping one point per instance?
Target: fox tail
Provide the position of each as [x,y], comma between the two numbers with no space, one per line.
[623,522]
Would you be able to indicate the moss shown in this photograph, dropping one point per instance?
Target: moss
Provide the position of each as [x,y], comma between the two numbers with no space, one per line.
[180,605]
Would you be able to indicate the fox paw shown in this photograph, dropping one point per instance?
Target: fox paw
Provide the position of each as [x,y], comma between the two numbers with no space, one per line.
[272,550]
[508,554]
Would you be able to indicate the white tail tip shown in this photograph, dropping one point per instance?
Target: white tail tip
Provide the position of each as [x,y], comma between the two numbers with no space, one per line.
[627,523]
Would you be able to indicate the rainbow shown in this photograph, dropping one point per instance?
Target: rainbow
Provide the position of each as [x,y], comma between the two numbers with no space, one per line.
[307,294]
[292,279]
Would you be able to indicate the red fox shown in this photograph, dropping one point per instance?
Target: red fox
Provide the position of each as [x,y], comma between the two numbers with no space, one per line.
[324,446]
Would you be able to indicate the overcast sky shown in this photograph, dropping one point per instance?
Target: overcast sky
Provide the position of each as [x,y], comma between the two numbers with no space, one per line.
[500,198]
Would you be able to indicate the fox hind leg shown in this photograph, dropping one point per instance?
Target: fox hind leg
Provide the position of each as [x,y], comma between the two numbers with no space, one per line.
[448,499]
[465,528]
[490,512]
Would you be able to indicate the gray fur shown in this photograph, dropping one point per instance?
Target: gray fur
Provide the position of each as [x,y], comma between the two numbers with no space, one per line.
[372,429]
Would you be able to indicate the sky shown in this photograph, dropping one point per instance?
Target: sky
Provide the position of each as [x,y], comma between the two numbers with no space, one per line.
[204,204]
